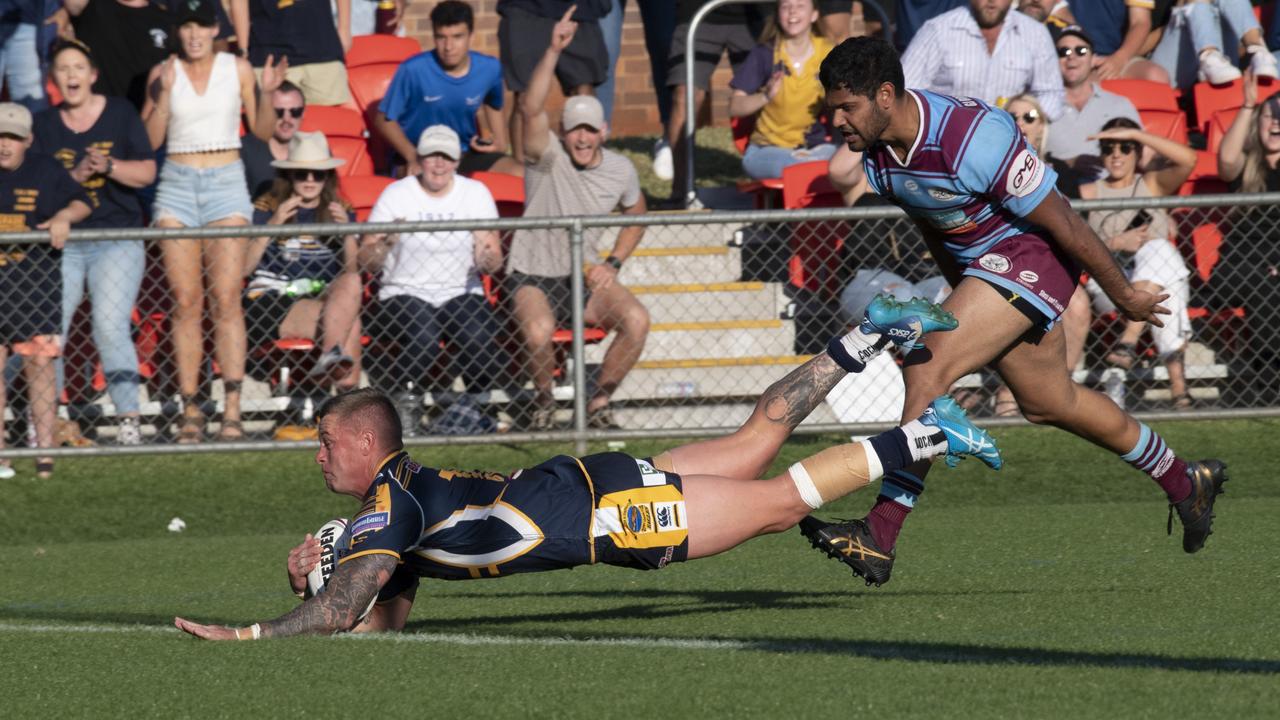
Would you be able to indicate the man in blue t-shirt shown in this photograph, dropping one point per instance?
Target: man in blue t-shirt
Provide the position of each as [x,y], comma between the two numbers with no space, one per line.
[449,86]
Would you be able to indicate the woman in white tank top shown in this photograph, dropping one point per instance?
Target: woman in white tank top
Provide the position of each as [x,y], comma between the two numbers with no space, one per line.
[194,103]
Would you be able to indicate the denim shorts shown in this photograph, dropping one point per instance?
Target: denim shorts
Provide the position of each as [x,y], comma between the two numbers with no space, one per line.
[199,196]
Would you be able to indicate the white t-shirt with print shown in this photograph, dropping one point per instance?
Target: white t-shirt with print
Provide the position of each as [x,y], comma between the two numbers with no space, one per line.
[433,266]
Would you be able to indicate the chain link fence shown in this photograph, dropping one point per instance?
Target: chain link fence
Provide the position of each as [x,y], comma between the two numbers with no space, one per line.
[726,303]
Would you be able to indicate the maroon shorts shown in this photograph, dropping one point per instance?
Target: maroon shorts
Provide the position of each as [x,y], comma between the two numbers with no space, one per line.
[1030,269]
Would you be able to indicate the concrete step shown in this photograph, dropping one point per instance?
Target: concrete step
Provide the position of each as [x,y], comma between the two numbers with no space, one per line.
[688,379]
[708,263]
[659,236]
[708,301]
[698,341]
[727,415]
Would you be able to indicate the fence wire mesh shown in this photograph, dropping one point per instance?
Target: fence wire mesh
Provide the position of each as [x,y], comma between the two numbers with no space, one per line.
[708,311]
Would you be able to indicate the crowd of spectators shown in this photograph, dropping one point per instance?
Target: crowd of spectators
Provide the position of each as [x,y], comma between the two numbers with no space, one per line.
[189,115]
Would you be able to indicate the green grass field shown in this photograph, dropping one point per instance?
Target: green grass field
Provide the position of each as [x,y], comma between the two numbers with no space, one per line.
[1046,590]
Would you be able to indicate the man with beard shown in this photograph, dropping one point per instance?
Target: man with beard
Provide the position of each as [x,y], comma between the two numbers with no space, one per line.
[289,104]
[986,52]
[1012,249]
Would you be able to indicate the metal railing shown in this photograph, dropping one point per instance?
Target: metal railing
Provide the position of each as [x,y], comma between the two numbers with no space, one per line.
[739,298]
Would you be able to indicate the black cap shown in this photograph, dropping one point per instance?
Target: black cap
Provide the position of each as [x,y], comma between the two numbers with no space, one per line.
[200,12]
[1077,31]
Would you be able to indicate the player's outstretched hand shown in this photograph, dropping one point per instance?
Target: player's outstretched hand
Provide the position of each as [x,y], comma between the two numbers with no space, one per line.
[206,632]
[1143,306]
[302,560]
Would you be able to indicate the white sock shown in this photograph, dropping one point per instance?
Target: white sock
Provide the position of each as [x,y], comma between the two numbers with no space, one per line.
[925,441]
[854,350]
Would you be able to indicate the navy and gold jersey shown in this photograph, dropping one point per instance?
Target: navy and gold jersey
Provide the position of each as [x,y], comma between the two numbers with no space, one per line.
[461,524]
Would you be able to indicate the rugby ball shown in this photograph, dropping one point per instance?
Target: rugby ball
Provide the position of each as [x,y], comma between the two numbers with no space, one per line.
[335,543]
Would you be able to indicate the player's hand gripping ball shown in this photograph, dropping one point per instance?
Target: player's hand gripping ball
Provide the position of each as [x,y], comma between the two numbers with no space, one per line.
[335,543]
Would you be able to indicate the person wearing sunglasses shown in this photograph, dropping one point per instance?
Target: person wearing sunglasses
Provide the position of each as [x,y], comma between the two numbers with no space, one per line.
[1140,241]
[289,104]
[1088,106]
[303,286]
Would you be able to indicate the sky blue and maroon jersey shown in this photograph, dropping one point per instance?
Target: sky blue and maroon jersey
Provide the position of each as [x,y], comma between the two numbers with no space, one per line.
[970,174]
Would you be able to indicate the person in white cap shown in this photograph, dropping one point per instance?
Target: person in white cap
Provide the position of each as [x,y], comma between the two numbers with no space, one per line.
[566,175]
[305,286]
[430,281]
[36,192]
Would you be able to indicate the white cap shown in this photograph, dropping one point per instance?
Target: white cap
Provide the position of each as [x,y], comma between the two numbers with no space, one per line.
[15,120]
[440,139]
[582,110]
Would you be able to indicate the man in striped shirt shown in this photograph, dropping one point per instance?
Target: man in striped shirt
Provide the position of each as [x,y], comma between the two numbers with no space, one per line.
[1010,246]
[985,52]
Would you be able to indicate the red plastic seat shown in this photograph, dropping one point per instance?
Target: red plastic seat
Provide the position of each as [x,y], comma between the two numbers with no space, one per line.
[815,246]
[1172,125]
[368,83]
[1144,94]
[345,130]
[362,192]
[507,191]
[1209,99]
[373,49]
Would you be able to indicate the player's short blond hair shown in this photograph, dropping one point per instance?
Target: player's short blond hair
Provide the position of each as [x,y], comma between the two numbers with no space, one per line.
[368,408]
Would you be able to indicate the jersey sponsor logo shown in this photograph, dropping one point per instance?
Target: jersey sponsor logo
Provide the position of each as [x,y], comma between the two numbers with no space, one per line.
[432,98]
[1028,277]
[911,185]
[954,221]
[669,516]
[940,194]
[639,518]
[1025,173]
[995,263]
[649,475]
[474,101]
[370,523]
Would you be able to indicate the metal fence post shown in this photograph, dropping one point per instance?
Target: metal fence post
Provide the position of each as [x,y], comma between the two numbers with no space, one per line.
[577,263]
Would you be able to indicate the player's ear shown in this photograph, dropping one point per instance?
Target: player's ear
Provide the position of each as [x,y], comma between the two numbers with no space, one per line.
[886,94]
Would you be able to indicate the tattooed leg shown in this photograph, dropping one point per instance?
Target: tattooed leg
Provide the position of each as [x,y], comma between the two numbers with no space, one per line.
[746,453]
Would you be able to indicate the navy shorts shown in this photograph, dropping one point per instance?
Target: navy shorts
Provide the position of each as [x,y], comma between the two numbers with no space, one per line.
[30,294]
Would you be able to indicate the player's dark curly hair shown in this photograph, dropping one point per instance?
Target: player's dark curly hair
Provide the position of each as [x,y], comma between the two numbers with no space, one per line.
[861,65]
[452,12]
[370,406]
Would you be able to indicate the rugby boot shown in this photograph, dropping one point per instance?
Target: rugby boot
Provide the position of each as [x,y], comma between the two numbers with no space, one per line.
[963,437]
[850,542]
[904,323]
[1196,511]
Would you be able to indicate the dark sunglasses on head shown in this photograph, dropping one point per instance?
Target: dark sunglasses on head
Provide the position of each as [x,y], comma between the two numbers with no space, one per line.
[1029,116]
[294,113]
[1126,147]
[301,175]
[1080,50]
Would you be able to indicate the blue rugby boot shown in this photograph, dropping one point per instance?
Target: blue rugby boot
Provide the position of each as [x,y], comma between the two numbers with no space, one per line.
[889,321]
[963,437]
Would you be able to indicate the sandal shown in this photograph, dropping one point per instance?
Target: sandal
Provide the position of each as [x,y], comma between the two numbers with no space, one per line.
[231,431]
[1007,409]
[1184,402]
[44,468]
[1123,356]
[191,426]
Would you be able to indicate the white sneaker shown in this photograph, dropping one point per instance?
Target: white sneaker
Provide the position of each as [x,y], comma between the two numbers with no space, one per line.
[129,431]
[1216,69]
[663,166]
[6,472]
[1263,62]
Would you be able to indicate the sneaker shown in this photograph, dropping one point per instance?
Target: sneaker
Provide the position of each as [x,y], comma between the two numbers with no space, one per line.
[544,418]
[904,323]
[602,419]
[332,362]
[129,431]
[1196,511]
[1216,69]
[850,542]
[6,471]
[963,437]
[1262,62]
[663,166]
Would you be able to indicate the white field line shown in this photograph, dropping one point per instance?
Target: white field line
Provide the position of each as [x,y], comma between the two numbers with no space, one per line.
[428,638]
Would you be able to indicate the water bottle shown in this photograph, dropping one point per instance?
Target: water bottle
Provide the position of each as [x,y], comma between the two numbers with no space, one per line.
[409,408]
[303,287]
[384,18]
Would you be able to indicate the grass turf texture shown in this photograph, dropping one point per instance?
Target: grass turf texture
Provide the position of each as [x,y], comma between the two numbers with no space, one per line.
[1046,590]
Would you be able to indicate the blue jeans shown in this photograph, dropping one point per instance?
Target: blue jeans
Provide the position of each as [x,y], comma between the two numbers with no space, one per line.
[113,271]
[466,324]
[767,161]
[1193,27]
[659,20]
[20,68]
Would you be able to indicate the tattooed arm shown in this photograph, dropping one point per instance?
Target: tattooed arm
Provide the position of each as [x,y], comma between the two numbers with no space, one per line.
[353,586]
[792,398]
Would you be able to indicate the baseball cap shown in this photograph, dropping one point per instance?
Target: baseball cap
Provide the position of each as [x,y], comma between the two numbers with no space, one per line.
[200,12]
[582,110]
[1077,31]
[15,120]
[440,139]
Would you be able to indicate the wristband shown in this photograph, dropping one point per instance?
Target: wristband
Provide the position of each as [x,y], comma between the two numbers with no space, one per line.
[613,262]
[111,165]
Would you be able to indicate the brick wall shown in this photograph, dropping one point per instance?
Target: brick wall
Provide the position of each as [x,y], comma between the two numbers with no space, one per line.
[635,109]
